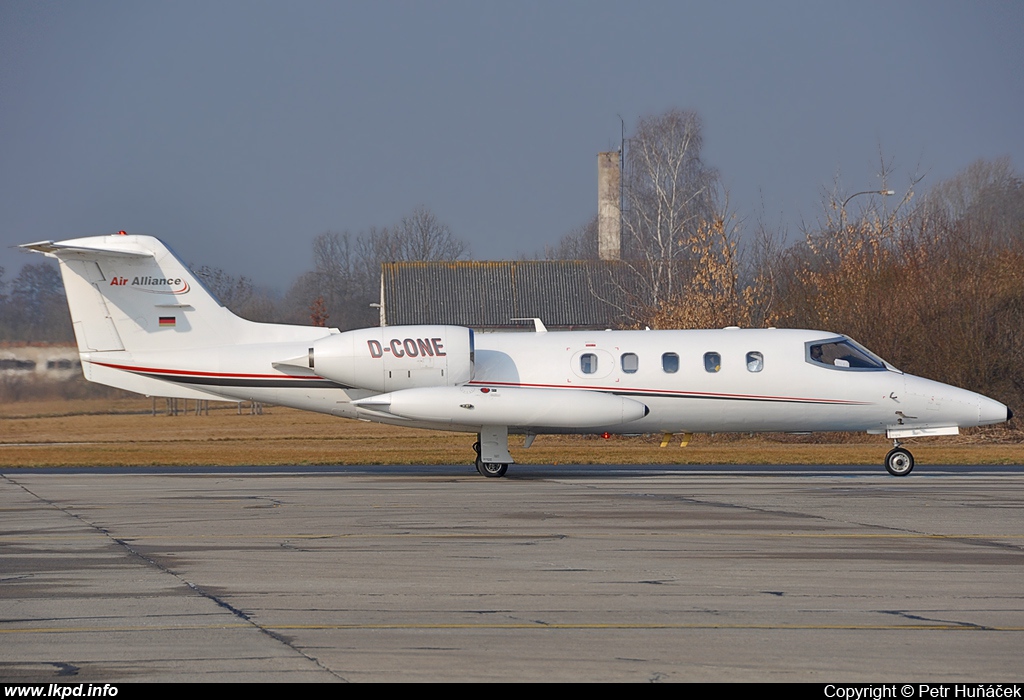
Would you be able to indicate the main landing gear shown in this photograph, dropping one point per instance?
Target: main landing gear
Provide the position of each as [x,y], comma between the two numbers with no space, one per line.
[488,469]
[899,461]
[492,456]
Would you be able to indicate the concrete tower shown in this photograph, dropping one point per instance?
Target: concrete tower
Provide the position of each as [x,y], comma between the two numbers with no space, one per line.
[609,210]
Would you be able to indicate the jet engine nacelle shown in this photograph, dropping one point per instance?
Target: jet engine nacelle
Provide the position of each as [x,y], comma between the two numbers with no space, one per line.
[395,357]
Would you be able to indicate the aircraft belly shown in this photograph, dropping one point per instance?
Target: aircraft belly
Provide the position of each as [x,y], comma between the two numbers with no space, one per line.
[332,401]
[703,415]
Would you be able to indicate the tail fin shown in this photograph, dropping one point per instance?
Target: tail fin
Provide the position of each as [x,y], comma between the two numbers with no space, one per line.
[132,293]
[129,292]
[133,298]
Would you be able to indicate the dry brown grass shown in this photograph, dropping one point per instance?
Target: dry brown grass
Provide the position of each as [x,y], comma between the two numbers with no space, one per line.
[124,433]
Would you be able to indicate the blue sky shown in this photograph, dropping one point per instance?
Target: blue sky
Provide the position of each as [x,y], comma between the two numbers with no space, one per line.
[239,130]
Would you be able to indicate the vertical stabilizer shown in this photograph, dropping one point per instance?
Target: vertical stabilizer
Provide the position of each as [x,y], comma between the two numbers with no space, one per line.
[129,292]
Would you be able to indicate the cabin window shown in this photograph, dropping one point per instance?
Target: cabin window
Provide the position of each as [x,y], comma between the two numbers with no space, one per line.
[670,362]
[630,363]
[844,354]
[712,361]
[588,363]
[755,362]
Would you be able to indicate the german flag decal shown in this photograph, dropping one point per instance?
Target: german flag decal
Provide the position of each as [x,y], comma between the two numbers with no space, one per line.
[167,321]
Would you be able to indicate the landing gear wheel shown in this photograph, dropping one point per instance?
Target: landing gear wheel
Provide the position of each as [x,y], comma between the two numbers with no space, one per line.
[899,462]
[490,469]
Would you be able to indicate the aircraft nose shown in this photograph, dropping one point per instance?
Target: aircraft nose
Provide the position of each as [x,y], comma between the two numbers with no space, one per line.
[991,411]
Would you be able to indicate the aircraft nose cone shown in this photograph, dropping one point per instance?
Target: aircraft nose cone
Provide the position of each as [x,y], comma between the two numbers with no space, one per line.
[991,411]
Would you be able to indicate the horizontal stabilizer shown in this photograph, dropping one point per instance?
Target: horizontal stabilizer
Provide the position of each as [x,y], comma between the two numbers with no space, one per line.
[51,248]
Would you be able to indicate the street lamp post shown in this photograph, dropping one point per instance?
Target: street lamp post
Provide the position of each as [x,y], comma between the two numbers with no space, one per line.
[380,308]
[842,209]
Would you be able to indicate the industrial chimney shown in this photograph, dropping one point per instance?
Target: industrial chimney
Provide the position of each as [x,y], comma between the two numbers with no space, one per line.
[609,209]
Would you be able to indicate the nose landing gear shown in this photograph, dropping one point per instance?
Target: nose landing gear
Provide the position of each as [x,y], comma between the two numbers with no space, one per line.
[899,461]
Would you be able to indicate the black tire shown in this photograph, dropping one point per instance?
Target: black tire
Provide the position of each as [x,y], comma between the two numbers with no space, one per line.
[491,470]
[899,462]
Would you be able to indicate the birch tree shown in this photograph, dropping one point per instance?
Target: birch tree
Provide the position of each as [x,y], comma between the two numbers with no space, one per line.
[671,198]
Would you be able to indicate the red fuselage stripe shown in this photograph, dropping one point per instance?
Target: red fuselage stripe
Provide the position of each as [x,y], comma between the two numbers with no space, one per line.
[615,390]
[664,392]
[196,373]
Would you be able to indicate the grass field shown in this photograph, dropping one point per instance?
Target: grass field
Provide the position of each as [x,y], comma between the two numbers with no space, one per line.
[124,432]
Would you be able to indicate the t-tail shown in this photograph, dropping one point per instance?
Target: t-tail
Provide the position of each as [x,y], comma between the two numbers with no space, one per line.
[130,294]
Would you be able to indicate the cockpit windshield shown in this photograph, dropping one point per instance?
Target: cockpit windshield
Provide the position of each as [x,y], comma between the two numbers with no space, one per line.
[843,353]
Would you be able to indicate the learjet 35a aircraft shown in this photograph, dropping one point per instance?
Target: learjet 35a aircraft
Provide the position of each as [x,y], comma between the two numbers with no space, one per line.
[144,322]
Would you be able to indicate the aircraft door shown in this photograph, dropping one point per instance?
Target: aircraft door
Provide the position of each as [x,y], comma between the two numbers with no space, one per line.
[592,363]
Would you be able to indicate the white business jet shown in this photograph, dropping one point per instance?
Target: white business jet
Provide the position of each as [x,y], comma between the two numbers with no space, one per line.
[144,322]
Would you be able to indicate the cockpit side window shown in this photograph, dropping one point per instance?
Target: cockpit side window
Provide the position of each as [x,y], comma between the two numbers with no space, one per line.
[843,353]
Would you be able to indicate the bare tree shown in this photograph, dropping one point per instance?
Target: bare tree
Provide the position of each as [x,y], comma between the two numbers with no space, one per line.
[37,309]
[346,274]
[763,266]
[963,193]
[671,196]
[342,278]
[578,244]
[239,294]
[333,264]
[232,291]
[422,236]
[982,203]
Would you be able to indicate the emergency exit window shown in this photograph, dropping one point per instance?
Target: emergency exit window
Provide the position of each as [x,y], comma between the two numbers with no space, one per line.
[588,363]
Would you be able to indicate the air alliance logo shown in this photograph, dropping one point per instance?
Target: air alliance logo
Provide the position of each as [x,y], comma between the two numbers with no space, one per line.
[153,285]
